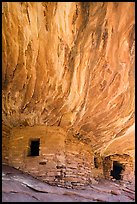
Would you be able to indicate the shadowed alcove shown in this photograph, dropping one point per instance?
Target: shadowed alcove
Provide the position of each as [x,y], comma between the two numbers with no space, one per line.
[117,170]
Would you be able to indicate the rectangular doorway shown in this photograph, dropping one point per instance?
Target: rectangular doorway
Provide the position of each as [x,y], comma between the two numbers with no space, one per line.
[34,147]
[118,168]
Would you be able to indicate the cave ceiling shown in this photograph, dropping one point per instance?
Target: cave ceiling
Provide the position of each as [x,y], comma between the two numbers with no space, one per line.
[71,64]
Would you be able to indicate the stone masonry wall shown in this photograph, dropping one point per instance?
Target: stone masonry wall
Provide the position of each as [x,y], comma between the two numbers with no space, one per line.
[5,142]
[62,160]
[107,167]
[79,163]
[125,160]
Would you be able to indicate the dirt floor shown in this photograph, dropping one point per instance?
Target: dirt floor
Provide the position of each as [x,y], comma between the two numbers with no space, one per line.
[20,187]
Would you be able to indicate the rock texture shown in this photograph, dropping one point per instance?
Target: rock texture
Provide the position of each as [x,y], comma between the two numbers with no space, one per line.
[71,64]
[63,160]
[19,187]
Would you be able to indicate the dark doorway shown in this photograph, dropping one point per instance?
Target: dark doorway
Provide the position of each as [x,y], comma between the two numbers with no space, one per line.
[34,147]
[117,170]
[96,162]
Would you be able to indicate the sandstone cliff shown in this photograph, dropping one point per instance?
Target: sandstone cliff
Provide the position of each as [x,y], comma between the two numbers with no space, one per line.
[71,64]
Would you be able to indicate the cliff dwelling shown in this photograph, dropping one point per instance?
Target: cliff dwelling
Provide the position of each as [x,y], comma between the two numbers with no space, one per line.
[118,167]
[68,97]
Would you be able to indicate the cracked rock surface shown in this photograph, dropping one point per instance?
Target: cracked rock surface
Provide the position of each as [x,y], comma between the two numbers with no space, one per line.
[20,187]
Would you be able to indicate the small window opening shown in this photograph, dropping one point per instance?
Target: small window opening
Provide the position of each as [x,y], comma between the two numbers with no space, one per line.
[117,170]
[96,162]
[34,147]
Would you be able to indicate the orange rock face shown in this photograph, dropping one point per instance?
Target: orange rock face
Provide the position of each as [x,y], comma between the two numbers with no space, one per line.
[71,64]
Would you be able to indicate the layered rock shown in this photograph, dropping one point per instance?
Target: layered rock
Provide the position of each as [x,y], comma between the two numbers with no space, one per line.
[71,64]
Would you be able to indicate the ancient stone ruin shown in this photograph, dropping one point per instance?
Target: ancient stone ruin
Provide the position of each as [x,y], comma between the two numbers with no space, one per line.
[68,91]
[51,155]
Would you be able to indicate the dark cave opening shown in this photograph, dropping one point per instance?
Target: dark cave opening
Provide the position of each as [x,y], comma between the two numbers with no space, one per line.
[117,170]
[34,147]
